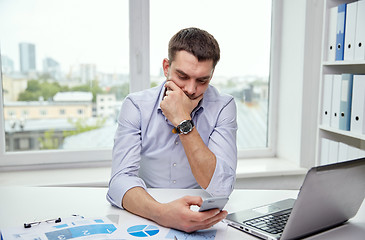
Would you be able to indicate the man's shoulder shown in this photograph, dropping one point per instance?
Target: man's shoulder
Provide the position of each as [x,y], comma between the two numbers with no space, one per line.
[146,95]
[213,95]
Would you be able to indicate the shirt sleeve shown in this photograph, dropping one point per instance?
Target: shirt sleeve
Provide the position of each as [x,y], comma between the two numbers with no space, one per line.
[222,143]
[126,154]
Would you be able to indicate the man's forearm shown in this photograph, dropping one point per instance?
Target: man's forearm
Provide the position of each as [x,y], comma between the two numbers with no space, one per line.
[202,161]
[139,202]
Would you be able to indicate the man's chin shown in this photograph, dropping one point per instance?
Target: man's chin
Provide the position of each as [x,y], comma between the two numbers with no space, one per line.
[193,97]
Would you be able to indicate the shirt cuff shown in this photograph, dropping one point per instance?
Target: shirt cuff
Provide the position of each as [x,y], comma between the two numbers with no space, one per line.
[119,185]
[222,182]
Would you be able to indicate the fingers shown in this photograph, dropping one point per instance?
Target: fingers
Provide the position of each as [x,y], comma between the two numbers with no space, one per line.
[170,85]
[203,216]
[193,200]
[177,214]
[209,222]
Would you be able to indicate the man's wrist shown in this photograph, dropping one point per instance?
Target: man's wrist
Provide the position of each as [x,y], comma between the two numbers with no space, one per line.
[185,127]
[157,211]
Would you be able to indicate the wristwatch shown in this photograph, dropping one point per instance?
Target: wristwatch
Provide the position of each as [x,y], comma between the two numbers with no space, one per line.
[184,127]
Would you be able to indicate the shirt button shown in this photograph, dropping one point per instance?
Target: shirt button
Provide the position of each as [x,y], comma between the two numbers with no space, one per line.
[174,181]
[174,164]
[176,142]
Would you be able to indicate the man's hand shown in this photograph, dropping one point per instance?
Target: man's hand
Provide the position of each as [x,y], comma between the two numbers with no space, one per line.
[176,105]
[177,214]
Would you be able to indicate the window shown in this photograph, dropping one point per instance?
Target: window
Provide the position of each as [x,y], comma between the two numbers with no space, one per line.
[43,112]
[72,63]
[25,113]
[57,56]
[243,70]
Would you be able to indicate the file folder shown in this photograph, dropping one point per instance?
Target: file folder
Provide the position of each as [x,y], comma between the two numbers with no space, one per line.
[327,100]
[333,152]
[335,107]
[358,105]
[325,147]
[353,152]
[342,152]
[340,31]
[350,30]
[360,31]
[345,104]
[331,37]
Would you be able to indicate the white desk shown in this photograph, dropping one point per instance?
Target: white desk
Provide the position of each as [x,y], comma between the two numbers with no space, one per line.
[26,204]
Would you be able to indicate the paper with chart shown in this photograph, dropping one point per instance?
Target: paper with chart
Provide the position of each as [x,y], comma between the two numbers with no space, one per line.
[75,227]
[138,228]
[121,228]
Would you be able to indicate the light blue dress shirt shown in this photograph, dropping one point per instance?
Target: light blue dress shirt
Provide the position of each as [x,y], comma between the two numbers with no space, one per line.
[147,154]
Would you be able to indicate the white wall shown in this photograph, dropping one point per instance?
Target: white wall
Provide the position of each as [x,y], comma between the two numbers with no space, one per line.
[291,79]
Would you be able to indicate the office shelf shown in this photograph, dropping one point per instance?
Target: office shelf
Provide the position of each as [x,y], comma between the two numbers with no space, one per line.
[324,132]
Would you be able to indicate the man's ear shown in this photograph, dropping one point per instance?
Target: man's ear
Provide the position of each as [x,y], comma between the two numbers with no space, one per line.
[165,66]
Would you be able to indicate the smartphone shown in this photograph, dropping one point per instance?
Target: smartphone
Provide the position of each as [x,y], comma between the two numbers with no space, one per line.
[212,203]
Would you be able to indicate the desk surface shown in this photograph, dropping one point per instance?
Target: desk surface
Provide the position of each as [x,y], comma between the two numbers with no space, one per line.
[26,204]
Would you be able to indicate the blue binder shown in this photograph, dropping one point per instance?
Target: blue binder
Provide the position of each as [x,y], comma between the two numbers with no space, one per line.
[346,101]
[340,31]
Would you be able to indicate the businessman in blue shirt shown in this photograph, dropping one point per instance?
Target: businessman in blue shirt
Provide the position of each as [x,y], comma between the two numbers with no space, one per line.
[181,134]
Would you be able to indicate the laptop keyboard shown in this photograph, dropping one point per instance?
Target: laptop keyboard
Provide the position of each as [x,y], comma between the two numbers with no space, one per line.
[273,223]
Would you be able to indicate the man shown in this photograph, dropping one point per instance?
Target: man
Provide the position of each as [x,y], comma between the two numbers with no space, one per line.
[181,134]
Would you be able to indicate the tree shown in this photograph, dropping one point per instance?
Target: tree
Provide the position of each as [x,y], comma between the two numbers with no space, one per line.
[36,89]
[48,141]
[93,87]
[81,126]
[120,91]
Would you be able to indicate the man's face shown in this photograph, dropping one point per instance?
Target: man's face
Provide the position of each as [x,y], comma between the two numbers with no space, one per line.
[189,74]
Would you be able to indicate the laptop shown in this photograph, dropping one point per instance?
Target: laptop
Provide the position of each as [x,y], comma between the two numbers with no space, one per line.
[330,195]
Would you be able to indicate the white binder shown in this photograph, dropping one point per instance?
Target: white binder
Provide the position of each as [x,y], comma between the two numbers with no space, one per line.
[325,147]
[353,152]
[360,32]
[358,105]
[350,30]
[342,152]
[333,152]
[331,41]
[336,100]
[327,100]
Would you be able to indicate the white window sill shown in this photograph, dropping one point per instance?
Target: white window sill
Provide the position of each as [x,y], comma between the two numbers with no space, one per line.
[99,177]
[267,167]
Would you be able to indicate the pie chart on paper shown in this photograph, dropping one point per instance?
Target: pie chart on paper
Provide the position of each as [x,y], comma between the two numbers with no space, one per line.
[143,230]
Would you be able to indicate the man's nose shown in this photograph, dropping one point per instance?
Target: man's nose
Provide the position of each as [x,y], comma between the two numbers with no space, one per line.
[190,87]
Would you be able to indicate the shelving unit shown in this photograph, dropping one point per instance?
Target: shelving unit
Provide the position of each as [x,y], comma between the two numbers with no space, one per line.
[335,67]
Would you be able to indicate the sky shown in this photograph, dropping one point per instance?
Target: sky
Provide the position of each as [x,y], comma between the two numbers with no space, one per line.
[96,31]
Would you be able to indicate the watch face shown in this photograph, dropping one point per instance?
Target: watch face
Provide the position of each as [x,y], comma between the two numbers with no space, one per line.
[186,126]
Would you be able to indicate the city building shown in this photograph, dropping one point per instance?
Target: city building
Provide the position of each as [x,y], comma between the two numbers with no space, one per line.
[13,85]
[106,105]
[7,65]
[87,73]
[27,57]
[47,110]
[52,67]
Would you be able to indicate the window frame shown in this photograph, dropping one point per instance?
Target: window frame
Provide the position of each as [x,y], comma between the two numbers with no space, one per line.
[139,57]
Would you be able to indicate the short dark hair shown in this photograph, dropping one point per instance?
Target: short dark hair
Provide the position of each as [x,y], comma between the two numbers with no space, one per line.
[196,41]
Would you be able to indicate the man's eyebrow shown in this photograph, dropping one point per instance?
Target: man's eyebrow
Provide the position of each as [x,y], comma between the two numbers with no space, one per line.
[181,72]
[204,78]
